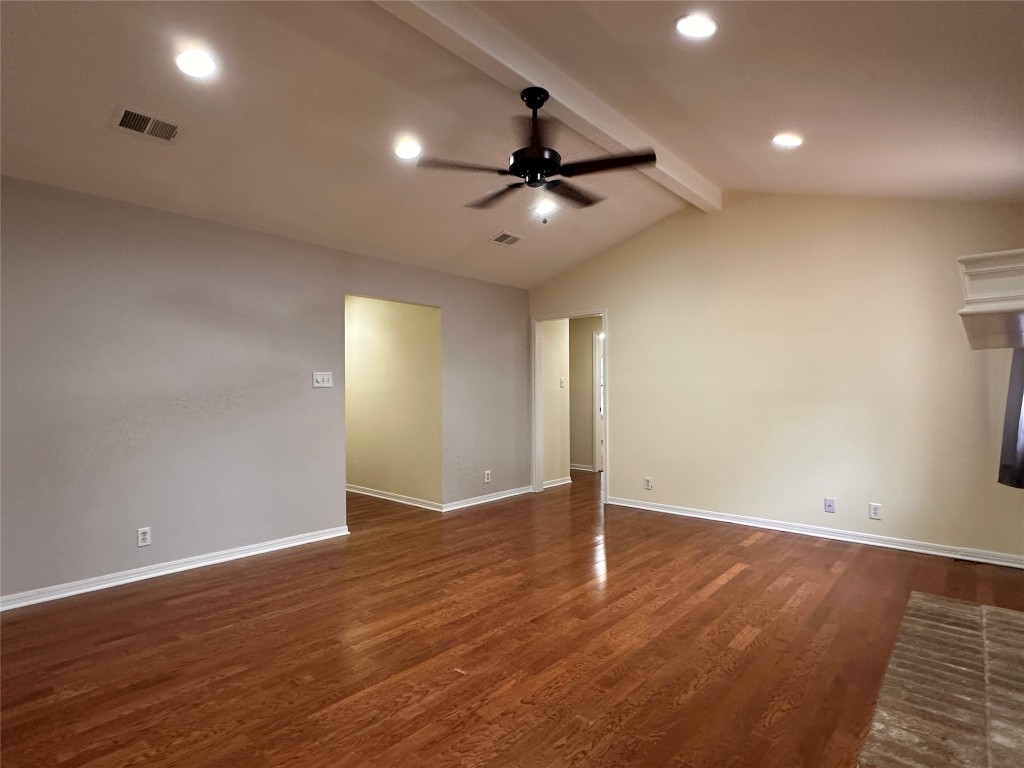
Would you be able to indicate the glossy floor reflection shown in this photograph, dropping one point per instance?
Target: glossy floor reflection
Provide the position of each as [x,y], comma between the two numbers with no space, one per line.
[537,631]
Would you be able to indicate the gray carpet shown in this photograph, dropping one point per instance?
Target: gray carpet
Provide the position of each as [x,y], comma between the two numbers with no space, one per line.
[953,693]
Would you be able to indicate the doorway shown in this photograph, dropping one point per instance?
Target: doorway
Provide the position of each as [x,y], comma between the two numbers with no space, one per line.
[585,362]
[586,437]
[393,401]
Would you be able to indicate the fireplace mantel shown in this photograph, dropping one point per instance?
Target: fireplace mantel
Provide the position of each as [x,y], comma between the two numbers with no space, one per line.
[993,313]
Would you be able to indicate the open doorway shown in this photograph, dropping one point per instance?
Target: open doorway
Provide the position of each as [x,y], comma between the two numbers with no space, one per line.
[393,401]
[569,398]
[586,389]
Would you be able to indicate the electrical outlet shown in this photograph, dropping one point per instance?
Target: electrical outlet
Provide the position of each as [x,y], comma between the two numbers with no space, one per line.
[487,475]
[830,505]
[323,379]
[875,510]
[648,485]
[145,538]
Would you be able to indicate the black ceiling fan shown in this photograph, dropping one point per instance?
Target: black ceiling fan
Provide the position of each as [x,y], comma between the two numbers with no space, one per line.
[536,162]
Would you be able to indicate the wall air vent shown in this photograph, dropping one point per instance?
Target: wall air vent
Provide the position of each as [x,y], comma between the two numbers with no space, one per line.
[147,125]
[506,238]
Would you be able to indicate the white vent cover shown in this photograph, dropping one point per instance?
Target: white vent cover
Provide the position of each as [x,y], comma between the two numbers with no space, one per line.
[506,238]
[146,125]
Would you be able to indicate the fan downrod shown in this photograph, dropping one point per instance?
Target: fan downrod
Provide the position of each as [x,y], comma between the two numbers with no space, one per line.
[534,97]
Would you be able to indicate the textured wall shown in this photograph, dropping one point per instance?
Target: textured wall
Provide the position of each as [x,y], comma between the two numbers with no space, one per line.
[156,371]
[794,347]
[393,397]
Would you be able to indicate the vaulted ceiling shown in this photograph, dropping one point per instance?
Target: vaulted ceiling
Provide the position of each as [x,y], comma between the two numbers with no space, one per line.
[294,134]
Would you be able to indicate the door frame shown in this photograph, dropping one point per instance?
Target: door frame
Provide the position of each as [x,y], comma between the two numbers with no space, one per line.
[537,400]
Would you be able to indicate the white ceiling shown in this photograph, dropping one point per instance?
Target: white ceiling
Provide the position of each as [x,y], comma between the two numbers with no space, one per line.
[294,136]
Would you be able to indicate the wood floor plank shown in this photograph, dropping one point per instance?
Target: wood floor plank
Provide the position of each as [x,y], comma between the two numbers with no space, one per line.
[535,632]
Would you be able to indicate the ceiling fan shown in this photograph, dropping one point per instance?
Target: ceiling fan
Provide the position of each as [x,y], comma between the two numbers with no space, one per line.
[536,162]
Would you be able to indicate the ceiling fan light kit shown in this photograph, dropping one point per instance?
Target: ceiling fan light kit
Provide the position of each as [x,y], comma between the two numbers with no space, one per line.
[408,149]
[536,162]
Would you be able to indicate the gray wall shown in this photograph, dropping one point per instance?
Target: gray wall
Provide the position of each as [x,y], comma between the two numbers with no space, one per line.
[156,371]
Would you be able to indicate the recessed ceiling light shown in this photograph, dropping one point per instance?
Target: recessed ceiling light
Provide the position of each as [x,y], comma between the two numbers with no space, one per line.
[788,140]
[196,62]
[696,26]
[544,207]
[408,149]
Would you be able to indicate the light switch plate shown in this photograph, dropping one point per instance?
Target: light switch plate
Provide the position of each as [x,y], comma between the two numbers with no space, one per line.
[323,379]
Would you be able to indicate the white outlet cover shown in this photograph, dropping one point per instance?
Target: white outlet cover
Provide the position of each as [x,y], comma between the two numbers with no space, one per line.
[323,379]
[875,510]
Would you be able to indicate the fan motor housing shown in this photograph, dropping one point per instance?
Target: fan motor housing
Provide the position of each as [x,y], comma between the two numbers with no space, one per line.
[534,164]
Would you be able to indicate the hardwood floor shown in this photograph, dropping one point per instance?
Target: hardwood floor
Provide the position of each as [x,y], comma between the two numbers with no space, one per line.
[537,631]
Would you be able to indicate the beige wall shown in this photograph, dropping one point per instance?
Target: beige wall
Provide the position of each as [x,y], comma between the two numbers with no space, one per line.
[554,367]
[157,371]
[790,348]
[581,394]
[393,397]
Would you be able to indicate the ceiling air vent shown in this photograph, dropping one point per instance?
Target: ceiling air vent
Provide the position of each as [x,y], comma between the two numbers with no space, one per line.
[506,238]
[147,125]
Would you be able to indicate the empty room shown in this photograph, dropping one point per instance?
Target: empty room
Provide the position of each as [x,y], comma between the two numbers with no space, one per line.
[442,384]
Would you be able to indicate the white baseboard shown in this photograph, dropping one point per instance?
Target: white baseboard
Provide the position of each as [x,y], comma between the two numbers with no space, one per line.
[58,591]
[433,506]
[559,481]
[452,506]
[581,467]
[923,547]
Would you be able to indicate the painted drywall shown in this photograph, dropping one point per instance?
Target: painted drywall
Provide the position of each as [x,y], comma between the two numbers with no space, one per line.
[393,397]
[794,347]
[157,371]
[554,367]
[581,391]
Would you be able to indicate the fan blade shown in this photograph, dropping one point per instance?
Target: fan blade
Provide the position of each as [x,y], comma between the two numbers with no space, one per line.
[609,163]
[455,165]
[488,200]
[572,193]
[546,130]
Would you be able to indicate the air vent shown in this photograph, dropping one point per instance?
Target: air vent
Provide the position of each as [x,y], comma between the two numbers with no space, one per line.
[147,125]
[506,238]
[162,130]
[133,121]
